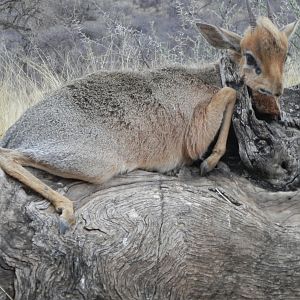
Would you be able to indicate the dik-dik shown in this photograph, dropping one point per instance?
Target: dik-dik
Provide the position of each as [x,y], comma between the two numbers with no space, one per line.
[109,123]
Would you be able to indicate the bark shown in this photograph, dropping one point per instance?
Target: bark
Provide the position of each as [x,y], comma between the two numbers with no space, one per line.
[269,150]
[150,236]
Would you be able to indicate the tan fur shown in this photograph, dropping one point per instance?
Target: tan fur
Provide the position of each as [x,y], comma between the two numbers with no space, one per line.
[109,123]
[270,54]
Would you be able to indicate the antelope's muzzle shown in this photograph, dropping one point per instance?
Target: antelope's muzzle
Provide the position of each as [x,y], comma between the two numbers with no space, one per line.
[266,105]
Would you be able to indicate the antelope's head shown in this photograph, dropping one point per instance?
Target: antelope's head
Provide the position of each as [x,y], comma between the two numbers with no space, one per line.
[261,54]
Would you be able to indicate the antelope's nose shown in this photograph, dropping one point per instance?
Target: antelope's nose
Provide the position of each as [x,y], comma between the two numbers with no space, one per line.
[278,93]
[265,92]
[278,89]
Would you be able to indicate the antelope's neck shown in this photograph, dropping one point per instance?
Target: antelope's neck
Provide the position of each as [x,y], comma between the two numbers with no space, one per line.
[210,75]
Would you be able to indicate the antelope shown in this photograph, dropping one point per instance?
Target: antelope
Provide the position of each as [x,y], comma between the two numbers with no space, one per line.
[113,122]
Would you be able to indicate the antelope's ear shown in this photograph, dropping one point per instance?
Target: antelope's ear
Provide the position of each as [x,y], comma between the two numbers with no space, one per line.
[219,37]
[290,29]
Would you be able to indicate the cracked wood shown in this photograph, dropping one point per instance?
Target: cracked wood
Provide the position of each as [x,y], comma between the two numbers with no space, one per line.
[150,236]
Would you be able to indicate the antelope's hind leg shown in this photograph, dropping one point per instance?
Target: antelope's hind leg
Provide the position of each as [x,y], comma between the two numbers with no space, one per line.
[12,163]
[222,104]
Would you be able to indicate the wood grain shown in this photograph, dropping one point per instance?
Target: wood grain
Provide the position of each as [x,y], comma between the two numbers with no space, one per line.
[270,150]
[149,236]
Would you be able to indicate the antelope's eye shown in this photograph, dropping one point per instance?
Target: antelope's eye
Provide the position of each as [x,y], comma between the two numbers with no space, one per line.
[250,60]
[258,70]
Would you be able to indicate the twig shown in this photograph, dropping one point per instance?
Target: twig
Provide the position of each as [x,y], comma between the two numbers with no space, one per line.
[230,200]
[6,2]
[222,195]
[141,51]
[7,25]
[9,297]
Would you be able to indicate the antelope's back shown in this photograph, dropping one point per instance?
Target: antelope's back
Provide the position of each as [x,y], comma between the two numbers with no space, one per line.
[107,111]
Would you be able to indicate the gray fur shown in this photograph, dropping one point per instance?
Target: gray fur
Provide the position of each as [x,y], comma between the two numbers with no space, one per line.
[113,122]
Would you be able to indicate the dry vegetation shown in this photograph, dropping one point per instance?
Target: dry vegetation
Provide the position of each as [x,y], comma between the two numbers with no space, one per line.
[46,43]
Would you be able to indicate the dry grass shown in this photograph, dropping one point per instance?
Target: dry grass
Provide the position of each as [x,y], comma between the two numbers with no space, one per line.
[292,74]
[26,79]
[18,90]
[13,103]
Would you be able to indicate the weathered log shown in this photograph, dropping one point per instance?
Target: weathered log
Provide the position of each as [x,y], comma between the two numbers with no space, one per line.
[150,236]
[270,150]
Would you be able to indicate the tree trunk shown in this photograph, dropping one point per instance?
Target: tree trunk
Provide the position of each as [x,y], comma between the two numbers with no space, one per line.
[269,150]
[151,236]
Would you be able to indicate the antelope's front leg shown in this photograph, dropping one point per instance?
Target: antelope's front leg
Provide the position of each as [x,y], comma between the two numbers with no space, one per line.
[222,103]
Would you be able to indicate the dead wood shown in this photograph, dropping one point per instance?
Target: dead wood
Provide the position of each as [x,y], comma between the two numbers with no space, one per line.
[150,236]
[270,150]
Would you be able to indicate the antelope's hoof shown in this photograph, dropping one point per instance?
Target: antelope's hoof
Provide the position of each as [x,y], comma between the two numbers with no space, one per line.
[204,168]
[66,220]
[63,226]
[208,165]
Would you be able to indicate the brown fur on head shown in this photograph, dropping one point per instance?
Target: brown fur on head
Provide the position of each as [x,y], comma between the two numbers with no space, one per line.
[265,104]
[260,54]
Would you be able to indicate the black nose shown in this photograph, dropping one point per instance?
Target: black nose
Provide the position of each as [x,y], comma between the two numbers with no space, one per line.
[265,92]
[278,94]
